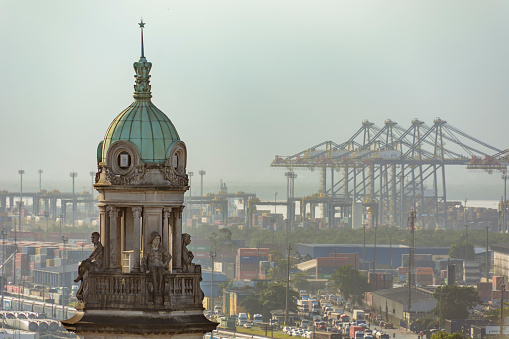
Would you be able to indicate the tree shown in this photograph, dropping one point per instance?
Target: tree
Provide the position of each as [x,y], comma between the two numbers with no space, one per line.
[457,250]
[252,304]
[445,335]
[455,301]
[350,282]
[494,314]
[300,281]
[268,297]
[424,323]
[278,273]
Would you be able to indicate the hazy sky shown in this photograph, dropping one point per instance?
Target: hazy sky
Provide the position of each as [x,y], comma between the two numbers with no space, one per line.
[245,80]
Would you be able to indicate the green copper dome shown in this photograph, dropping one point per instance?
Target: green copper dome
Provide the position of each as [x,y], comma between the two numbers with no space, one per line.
[147,127]
[142,123]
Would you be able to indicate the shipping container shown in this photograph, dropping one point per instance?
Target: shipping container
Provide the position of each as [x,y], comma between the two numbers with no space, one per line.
[253,252]
[248,267]
[247,275]
[251,259]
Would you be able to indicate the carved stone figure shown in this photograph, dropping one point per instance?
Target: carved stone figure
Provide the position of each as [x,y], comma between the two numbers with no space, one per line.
[155,263]
[187,256]
[93,263]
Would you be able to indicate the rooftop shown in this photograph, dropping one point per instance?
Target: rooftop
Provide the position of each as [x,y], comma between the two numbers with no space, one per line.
[400,294]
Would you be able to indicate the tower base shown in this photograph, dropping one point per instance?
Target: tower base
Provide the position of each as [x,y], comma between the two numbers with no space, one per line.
[98,324]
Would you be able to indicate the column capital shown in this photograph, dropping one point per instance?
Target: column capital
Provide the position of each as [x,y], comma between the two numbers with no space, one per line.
[167,211]
[112,211]
[137,211]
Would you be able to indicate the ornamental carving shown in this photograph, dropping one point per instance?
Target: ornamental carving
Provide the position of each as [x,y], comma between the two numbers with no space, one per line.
[130,178]
[176,178]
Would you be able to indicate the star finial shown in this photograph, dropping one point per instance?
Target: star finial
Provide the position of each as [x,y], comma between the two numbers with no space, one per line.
[142,25]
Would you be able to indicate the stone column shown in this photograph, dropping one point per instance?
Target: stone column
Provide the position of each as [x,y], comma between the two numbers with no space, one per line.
[104,230]
[113,214]
[167,237]
[177,241]
[137,238]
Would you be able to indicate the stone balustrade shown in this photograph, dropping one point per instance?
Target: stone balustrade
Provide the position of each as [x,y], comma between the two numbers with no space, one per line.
[133,291]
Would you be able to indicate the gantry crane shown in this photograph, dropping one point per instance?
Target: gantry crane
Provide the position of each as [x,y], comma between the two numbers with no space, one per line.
[397,167]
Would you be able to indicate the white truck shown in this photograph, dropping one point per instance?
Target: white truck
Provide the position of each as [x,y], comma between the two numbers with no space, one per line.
[242,319]
[358,317]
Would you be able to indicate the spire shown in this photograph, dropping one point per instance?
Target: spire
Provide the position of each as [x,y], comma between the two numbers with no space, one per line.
[142,68]
[142,25]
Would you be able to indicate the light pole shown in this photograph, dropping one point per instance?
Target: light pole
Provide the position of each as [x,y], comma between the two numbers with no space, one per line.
[287,285]
[73,175]
[4,233]
[62,282]
[212,256]
[40,175]
[21,172]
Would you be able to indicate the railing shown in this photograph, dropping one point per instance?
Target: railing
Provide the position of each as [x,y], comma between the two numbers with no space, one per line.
[133,291]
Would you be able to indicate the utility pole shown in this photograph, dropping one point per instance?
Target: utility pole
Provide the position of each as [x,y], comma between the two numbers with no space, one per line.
[410,263]
[212,256]
[487,255]
[502,290]
[440,310]
[374,252]
[64,240]
[287,285]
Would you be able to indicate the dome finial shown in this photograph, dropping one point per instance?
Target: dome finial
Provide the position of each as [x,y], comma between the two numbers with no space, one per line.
[142,25]
[142,68]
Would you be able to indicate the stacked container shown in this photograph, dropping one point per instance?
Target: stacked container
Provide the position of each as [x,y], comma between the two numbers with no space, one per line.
[248,262]
[326,267]
[424,275]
